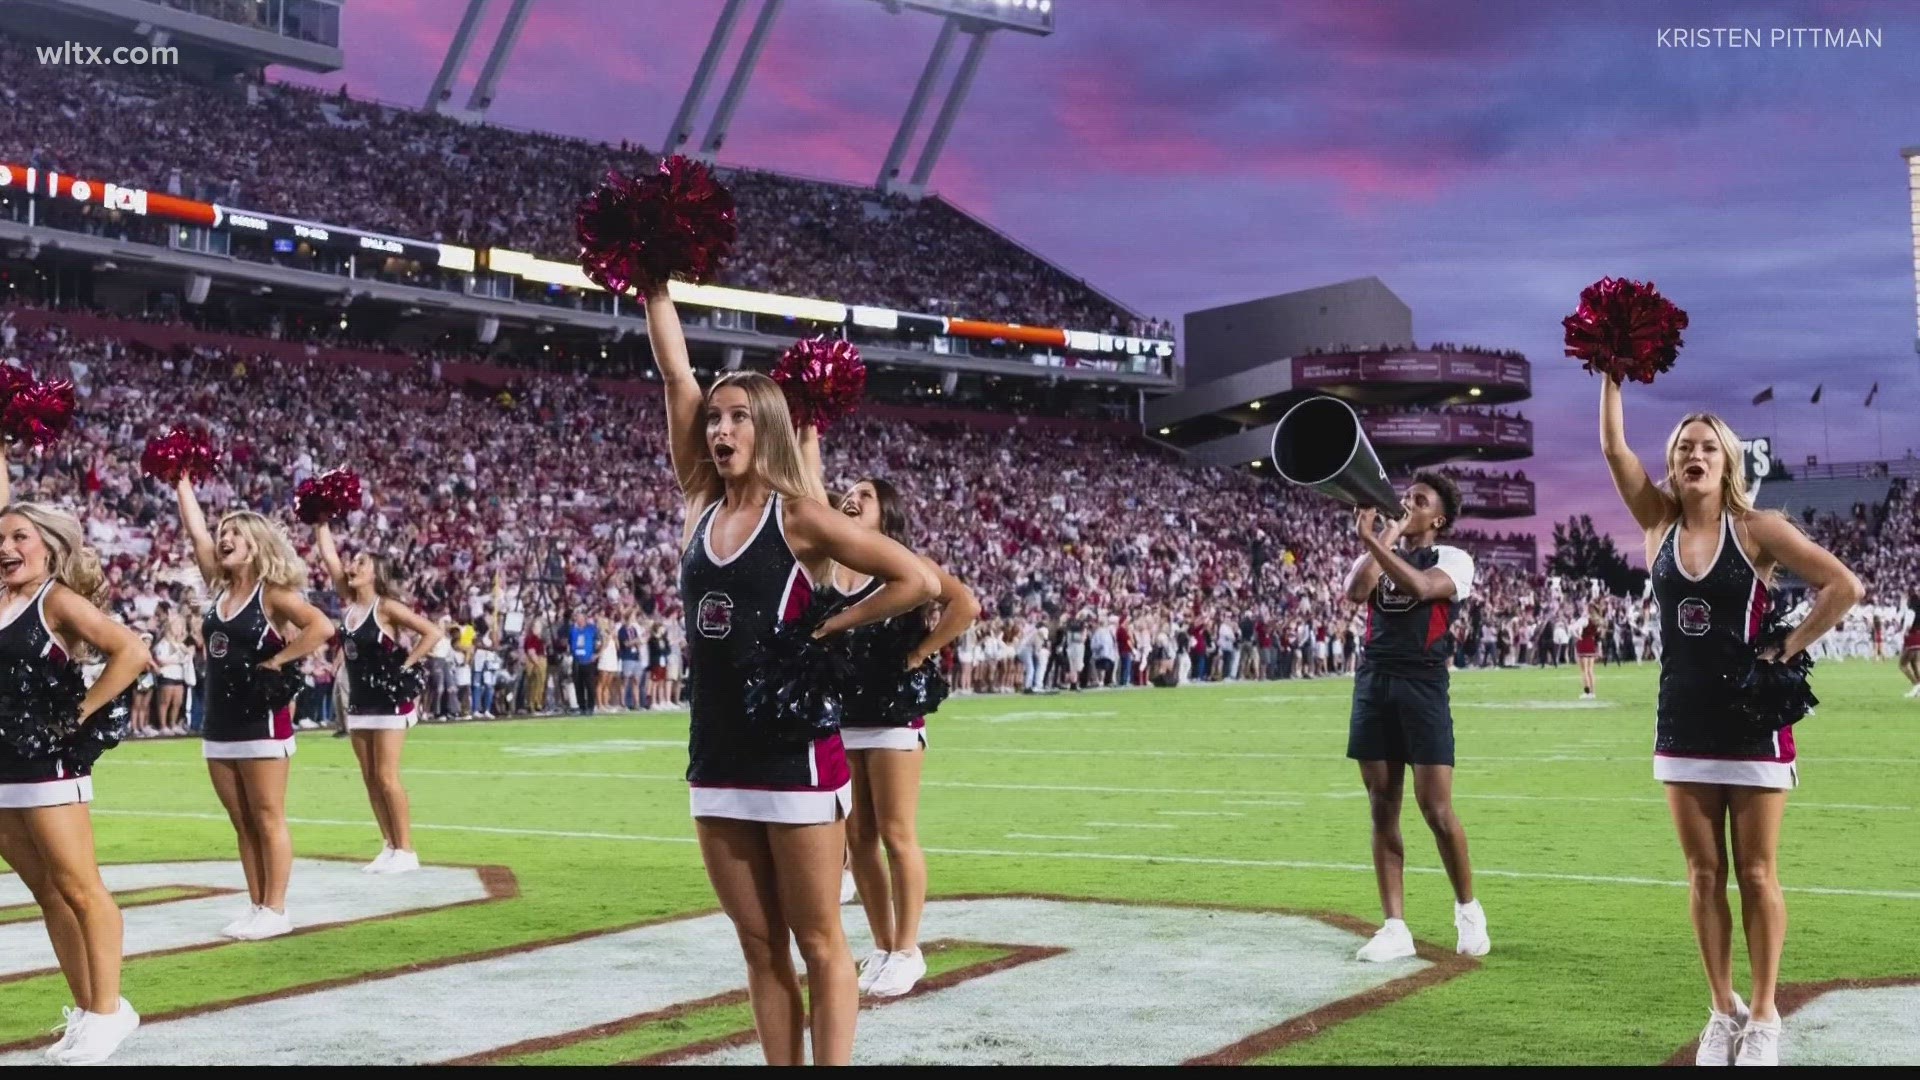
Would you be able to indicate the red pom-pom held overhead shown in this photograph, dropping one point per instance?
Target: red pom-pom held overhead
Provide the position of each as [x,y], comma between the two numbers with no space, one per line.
[38,414]
[823,380]
[330,495]
[639,232]
[1625,330]
[13,379]
[180,452]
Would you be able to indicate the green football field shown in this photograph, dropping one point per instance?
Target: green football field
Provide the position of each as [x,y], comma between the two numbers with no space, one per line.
[1233,796]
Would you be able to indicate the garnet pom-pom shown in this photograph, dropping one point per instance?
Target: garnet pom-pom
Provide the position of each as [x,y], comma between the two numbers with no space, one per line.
[796,686]
[823,380]
[180,452]
[38,414]
[1773,694]
[677,221]
[330,495]
[1625,330]
[13,379]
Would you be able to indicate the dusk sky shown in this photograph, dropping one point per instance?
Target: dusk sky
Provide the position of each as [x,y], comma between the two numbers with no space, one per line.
[1485,160]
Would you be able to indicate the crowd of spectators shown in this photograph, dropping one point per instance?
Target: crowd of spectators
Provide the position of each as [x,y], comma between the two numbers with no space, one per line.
[343,161]
[517,516]
[1438,347]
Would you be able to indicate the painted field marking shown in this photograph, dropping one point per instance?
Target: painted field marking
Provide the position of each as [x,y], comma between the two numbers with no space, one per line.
[1040,714]
[1263,802]
[1201,813]
[1181,860]
[1046,836]
[1129,825]
[322,892]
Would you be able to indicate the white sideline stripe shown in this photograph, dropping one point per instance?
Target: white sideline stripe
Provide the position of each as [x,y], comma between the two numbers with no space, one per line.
[1046,836]
[1201,813]
[1130,825]
[1184,860]
[1263,802]
[1094,789]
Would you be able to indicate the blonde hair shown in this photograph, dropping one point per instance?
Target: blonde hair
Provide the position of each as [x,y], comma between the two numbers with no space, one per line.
[69,560]
[776,448]
[1733,478]
[274,560]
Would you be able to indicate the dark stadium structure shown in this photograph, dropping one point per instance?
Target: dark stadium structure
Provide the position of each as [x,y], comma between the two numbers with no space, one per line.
[1421,407]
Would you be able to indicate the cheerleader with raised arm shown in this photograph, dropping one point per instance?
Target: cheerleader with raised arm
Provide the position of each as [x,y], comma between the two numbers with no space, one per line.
[384,680]
[258,627]
[1724,745]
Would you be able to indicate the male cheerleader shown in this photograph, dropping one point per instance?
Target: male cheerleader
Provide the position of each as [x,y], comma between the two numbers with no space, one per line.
[1400,710]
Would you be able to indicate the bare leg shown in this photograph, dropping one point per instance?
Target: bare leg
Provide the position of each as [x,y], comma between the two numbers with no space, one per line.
[1433,791]
[863,845]
[807,862]
[18,849]
[1384,781]
[895,779]
[265,784]
[1756,814]
[363,752]
[387,746]
[63,837]
[740,865]
[1699,812]
[231,787]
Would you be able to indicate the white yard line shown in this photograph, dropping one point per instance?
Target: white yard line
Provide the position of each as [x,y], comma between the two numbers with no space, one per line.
[1046,836]
[1182,860]
[1129,825]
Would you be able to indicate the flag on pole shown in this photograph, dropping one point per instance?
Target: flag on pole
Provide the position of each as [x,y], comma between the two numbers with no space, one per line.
[1763,396]
[1816,394]
[1871,393]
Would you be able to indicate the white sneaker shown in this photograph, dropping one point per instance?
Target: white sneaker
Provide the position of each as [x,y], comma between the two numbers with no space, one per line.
[379,861]
[870,968]
[1393,941]
[899,974]
[70,1026]
[401,862]
[1722,1037]
[100,1035]
[1470,919]
[1760,1043]
[267,923]
[848,893]
[238,927]
[1588,696]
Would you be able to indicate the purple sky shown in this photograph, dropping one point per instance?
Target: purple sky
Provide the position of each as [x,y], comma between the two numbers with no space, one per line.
[1485,160]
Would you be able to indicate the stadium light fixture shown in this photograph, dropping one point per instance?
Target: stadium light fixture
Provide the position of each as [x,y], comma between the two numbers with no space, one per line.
[1166,431]
[1027,16]
[1256,408]
[1474,392]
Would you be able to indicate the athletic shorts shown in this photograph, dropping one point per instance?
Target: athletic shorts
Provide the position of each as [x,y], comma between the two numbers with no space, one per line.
[630,669]
[1400,719]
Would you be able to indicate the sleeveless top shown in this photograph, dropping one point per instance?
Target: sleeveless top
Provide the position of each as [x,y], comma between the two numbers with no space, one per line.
[27,641]
[860,713]
[376,685]
[233,647]
[732,606]
[1706,626]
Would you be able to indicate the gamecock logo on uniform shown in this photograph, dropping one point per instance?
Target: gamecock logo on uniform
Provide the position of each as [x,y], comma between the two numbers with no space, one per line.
[217,644]
[716,615]
[1696,618]
[352,650]
[1391,598]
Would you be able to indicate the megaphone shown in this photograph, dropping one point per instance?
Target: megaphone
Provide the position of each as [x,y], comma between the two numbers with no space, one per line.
[1318,444]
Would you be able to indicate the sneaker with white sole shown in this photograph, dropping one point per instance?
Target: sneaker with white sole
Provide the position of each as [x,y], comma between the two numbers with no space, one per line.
[870,968]
[848,893]
[1721,1039]
[99,1035]
[400,862]
[899,974]
[379,861]
[267,923]
[1393,941]
[237,928]
[68,1028]
[1759,1043]
[1470,919]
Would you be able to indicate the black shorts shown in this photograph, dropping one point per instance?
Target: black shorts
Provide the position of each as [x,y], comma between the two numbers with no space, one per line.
[1401,719]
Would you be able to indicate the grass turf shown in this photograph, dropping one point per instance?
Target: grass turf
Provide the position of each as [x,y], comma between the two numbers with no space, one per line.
[1593,958]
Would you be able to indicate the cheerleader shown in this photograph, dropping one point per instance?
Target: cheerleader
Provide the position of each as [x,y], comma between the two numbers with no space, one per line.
[1711,555]
[255,583]
[1910,645]
[769,814]
[1586,647]
[383,681]
[886,753]
[51,592]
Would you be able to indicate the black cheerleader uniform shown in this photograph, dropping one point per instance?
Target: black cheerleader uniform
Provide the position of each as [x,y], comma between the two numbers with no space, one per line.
[1707,625]
[235,728]
[732,605]
[52,779]
[380,693]
[862,731]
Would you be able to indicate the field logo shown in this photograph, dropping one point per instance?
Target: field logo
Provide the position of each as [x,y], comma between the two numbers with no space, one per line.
[1065,982]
